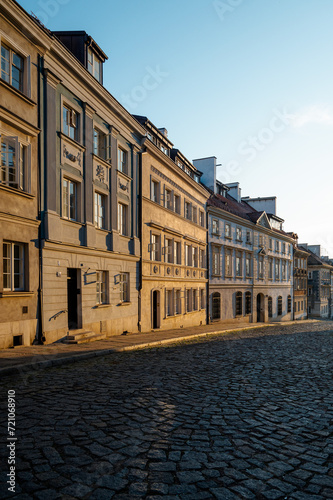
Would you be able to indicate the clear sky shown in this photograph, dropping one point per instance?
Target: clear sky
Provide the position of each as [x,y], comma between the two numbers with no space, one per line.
[247,81]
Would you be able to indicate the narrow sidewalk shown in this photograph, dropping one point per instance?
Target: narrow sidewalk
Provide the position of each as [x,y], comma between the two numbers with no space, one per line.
[23,359]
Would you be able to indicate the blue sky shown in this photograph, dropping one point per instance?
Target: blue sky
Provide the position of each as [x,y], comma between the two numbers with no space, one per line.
[248,81]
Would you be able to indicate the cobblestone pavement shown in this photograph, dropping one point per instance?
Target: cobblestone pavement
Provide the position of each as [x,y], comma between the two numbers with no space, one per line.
[248,416]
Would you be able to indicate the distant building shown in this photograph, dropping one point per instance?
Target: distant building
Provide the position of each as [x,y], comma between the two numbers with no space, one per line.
[250,256]
[320,283]
[300,282]
[173,236]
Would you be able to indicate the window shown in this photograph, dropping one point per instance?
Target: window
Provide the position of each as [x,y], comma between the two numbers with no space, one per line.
[216,305]
[194,256]
[270,307]
[310,275]
[216,261]
[168,251]
[188,300]
[168,302]
[177,252]
[99,144]
[176,203]
[261,267]
[277,246]
[155,191]
[188,255]
[101,287]
[279,300]
[13,266]
[227,231]
[215,226]
[178,309]
[261,240]
[248,237]
[122,219]
[202,218]
[13,163]
[122,161]
[283,248]
[239,264]
[195,214]
[202,261]
[239,304]
[228,263]
[277,269]
[94,65]
[248,265]
[194,299]
[248,303]
[238,234]
[124,287]
[270,244]
[202,298]
[99,203]
[168,199]
[12,65]
[69,192]
[270,269]
[284,273]
[70,123]
[155,247]
[188,211]
[289,304]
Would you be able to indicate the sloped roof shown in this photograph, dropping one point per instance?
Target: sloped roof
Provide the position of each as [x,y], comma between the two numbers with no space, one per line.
[239,208]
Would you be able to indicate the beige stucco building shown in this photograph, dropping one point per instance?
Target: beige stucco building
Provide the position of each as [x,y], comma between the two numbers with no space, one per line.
[21,45]
[173,231]
[90,162]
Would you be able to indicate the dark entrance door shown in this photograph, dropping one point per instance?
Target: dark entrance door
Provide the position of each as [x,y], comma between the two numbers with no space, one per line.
[156,309]
[260,308]
[72,292]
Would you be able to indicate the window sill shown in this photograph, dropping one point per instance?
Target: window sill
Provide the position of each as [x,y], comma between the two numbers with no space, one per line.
[72,141]
[11,294]
[17,191]
[20,94]
[101,306]
[124,304]
[71,221]
[228,238]
[124,174]
[99,158]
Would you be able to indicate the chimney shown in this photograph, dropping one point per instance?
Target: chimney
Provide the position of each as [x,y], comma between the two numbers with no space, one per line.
[235,191]
[164,131]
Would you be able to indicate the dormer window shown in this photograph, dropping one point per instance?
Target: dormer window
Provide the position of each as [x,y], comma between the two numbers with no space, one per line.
[94,65]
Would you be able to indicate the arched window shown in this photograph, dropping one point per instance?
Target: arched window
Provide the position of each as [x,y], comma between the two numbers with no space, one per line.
[248,303]
[279,301]
[270,307]
[239,304]
[216,306]
[289,304]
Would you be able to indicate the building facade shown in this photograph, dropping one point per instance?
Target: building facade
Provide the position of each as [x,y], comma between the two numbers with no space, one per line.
[173,232]
[300,282]
[90,164]
[320,282]
[250,256]
[21,47]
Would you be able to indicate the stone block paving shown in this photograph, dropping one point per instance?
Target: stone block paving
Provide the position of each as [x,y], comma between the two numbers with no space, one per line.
[248,416]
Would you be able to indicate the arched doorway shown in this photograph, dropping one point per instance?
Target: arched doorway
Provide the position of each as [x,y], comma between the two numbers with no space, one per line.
[260,308]
[156,316]
[216,306]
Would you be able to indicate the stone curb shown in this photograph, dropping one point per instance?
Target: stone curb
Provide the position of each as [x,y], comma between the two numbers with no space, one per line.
[28,367]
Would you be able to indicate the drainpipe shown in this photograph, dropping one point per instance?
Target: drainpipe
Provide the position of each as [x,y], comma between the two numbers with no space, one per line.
[40,337]
[139,180]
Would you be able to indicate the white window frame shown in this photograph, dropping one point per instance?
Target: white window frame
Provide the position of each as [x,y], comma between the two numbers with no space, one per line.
[123,218]
[122,160]
[70,122]
[99,210]
[11,258]
[95,66]
[66,199]
[177,301]
[124,288]
[216,260]
[15,49]
[21,152]
[169,302]
[101,287]
[155,247]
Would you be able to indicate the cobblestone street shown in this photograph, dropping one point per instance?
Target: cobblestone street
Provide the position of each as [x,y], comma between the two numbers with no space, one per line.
[243,416]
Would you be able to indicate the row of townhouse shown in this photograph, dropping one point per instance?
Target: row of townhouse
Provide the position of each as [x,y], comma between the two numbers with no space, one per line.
[105,227]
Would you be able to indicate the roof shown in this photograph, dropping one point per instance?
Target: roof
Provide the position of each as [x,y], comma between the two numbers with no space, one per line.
[314,260]
[240,209]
